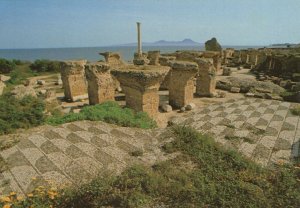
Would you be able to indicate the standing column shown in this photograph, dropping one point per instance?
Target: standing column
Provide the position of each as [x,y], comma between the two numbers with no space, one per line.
[139,38]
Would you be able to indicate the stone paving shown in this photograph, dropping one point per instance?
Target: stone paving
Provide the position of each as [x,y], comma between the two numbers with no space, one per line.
[263,130]
[75,153]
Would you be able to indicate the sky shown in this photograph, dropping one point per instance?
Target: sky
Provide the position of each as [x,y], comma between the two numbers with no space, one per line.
[88,23]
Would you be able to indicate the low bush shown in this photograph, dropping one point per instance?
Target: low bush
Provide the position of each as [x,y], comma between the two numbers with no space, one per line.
[296,110]
[6,66]
[109,112]
[24,113]
[44,65]
[203,175]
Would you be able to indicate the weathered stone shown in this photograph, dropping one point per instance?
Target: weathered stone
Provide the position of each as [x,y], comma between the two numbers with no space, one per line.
[101,86]
[181,86]
[235,89]
[166,108]
[41,82]
[4,78]
[29,82]
[50,95]
[140,85]
[153,57]
[74,82]
[21,91]
[140,59]
[112,58]
[190,106]
[206,78]
[213,45]
[59,81]
[249,94]
[226,71]
[2,86]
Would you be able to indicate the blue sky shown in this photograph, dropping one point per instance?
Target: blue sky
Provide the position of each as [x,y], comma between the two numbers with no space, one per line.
[79,23]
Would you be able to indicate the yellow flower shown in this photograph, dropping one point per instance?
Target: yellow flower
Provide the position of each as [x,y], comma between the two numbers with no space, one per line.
[30,195]
[52,194]
[20,198]
[7,206]
[12,193]
[5,199]
[33,178]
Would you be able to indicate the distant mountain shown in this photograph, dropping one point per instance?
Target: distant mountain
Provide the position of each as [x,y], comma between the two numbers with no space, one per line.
[185,42]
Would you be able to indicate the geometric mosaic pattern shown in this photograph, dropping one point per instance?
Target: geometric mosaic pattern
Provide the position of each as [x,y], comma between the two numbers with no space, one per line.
[74,153]
[263,130]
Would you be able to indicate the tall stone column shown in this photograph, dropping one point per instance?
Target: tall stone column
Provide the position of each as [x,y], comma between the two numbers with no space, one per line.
[139,49]
[101,85]
[140,85]
[181,86]
[206,78]
[73,78]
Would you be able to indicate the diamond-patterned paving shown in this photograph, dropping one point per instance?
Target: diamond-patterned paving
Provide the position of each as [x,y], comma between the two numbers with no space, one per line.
[74,153]
[263,130]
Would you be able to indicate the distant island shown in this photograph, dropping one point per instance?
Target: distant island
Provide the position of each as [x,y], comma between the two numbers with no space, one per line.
[185,42]
[285,45]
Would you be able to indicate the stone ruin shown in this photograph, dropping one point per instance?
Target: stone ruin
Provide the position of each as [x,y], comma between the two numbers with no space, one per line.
[140,85]
[74,81]
[181,87]
[112,58]
[206,78]
[101,85]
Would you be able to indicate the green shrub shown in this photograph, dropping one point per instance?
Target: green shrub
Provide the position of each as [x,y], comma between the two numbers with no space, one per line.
[109,112]
[44,65]
[296,110]
[24,113]
[6,66]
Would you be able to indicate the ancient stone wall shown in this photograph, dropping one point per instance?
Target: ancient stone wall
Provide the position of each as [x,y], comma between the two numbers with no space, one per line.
[153,57]
[181,86]
[101,85]
[112,58]
[74,82]
[206,78]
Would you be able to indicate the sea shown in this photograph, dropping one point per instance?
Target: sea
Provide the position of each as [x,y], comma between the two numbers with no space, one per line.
[91,53]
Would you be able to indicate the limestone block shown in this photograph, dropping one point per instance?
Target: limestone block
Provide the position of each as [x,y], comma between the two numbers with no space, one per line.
[235,89]
[112,58]
[206,78]
[153,57]
[181,86]
[101,86]
[166,108]
[2,86]
[74,81]
[140,59]
[140,85]
[21,91]
[190,106]
[41,82]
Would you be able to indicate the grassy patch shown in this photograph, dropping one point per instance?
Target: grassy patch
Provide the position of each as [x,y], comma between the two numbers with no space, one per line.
[109,112]
[203,175]
[296,110]
[24,113]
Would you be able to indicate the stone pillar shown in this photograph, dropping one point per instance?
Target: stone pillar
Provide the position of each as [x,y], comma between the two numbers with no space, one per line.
[112,58]
[140,85]
[153,57]
[181,86]
[247,58]
[73,78]
[139,49]
[101,85]
[206,78]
